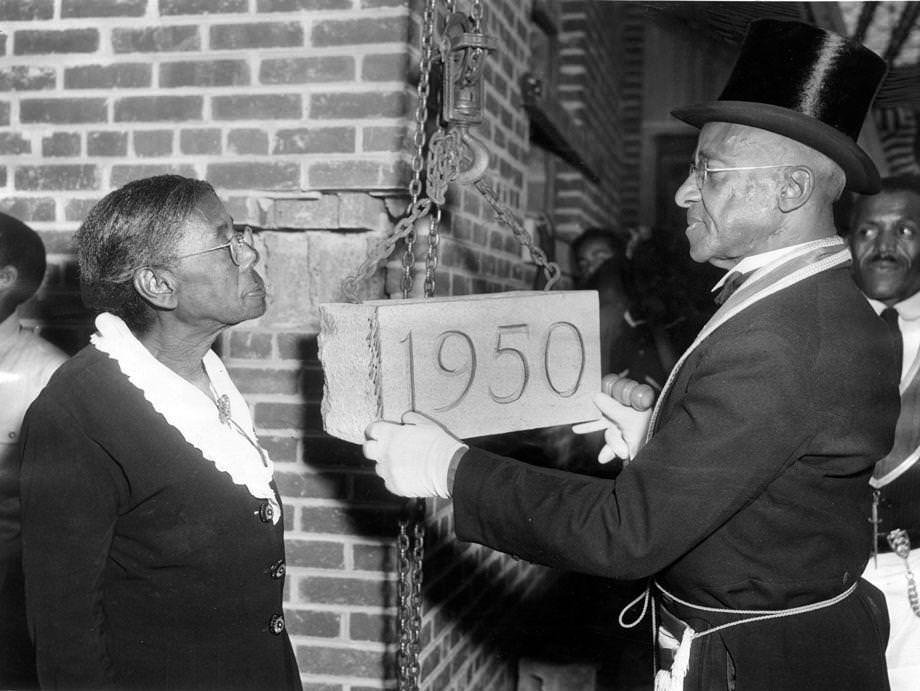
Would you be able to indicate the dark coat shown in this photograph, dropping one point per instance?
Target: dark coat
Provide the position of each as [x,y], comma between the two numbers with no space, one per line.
[752,494]
[145,566]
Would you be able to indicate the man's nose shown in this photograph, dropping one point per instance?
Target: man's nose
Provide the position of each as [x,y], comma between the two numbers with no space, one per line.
[251,259]
[886,240]
[687,193]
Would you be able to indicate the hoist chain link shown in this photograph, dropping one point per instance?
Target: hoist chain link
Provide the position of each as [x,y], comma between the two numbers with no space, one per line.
[506,217]
[476,16]
[403,606]
[431,258]
[421,117]
[410,555]
[443,162]
[409,586]
[421,105]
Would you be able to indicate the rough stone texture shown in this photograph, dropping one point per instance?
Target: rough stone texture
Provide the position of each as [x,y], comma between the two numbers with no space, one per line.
[478,365]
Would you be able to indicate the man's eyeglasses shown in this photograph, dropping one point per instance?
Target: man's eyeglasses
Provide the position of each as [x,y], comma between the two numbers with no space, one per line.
[242,250]
[701,171]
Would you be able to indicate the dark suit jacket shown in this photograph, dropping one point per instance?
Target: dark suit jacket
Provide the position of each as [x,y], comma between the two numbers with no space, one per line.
[145,565]
[752,494]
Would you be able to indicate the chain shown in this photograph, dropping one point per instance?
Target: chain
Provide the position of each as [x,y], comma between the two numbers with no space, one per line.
[405,226]
[415,624]
[410,556]
[421,117]
[403,606]
[431,258]
[900,544]
[505,216]
[410,550]
[476,16]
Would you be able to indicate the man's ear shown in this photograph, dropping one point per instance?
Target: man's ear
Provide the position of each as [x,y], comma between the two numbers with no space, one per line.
[796,189]
[156,286]
[9,274]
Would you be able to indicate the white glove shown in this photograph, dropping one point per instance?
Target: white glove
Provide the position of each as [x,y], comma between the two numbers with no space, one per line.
[625,428]
[413,458]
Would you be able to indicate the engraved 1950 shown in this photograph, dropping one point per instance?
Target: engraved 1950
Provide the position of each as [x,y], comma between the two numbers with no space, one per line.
[454,356]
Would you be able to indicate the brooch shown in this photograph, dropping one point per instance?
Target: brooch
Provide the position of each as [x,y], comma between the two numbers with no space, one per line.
[223,409]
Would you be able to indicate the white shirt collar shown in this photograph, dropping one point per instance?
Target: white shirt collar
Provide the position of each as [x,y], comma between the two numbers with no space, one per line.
[233,448]
[908,310]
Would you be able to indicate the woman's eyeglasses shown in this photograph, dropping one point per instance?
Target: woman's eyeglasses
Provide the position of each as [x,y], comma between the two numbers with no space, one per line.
[242,250]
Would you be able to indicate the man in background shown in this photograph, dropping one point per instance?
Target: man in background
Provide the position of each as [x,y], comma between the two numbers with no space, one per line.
[884,238]
[26,363]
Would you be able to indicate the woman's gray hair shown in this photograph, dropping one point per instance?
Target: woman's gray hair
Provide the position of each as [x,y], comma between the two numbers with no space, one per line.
[134,226]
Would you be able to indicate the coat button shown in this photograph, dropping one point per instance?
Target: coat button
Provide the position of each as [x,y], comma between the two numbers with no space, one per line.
[266,513]
[278,569]
[276,624]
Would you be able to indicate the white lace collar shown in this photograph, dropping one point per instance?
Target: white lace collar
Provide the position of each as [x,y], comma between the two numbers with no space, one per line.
[232,447]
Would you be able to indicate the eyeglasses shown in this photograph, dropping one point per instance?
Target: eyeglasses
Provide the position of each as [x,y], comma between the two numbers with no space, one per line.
[700,172]
[242,250]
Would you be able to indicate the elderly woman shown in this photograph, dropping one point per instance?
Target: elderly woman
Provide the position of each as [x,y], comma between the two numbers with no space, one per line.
[152,531]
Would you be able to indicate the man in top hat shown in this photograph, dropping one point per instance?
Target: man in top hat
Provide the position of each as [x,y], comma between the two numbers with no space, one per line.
[884,237]
[747,503]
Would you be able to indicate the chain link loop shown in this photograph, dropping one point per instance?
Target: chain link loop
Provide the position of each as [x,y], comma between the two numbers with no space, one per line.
[431,258]
[476,16]
[405,226]
[418,156]
[409,563]
[551,270]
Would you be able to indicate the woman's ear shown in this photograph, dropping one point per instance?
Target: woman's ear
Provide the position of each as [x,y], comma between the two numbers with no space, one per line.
[156,286]
[796,188]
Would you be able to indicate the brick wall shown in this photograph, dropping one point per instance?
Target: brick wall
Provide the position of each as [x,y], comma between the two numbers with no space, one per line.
[595,88]
[300,113]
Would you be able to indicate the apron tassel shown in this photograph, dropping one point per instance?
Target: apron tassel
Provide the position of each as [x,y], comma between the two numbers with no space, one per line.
[674,680]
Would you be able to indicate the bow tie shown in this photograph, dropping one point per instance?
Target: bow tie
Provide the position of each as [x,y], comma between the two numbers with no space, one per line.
[731,284]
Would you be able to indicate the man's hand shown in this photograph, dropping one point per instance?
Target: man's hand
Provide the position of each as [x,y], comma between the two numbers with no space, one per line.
[413,458]
[625,407]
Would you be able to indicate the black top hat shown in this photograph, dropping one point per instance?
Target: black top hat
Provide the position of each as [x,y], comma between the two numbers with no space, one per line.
[807,84]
